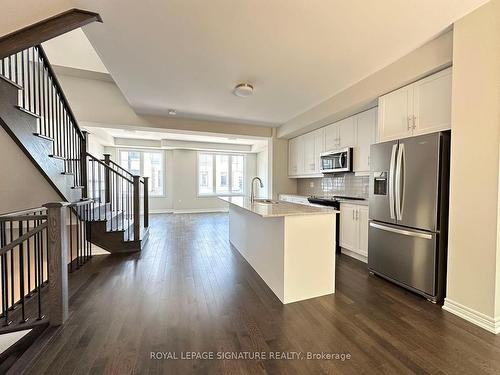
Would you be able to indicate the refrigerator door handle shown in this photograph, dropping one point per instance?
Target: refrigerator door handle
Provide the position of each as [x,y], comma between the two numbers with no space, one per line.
[400,181]
[401,231]
[391,180]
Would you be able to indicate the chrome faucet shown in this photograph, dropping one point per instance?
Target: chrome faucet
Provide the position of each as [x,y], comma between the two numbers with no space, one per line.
[252,193]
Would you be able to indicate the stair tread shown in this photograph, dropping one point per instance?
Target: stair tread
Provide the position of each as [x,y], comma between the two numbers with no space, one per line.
[44,137]
[27,111]
[11,82]
[57,157]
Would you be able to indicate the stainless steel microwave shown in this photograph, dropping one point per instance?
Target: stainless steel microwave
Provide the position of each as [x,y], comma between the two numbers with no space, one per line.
[338,161]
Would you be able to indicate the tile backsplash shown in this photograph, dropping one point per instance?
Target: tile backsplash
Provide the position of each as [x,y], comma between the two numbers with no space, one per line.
[344,184]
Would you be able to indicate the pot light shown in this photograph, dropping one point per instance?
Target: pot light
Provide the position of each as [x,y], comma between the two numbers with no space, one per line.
[172,112]
[243,90]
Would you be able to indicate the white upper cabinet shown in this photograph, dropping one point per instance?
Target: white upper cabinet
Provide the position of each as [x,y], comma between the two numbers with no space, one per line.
[346,132]
[366,131]
[420,108]
[394,114]
[304,154]
[432,103]
[319,147]
[294,154]
[332,139]
[340,134]
[309,153]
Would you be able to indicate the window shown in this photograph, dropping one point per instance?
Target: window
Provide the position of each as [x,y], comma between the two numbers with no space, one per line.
[146,163]
[221,174]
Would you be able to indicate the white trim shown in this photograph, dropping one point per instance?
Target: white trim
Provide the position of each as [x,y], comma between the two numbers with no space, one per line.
[162,211]
[200,210]
[141,151]
[484,321]
[354,255]
[214,174]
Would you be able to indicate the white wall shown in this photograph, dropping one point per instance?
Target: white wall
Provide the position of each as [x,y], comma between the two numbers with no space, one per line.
[473,287]
[94,146]
[181,183]
[16,15]
[278,169]
[429,58]
[22,186]
[262,172]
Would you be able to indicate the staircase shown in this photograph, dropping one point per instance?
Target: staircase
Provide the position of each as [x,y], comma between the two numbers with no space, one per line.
[101,203]
[36,114]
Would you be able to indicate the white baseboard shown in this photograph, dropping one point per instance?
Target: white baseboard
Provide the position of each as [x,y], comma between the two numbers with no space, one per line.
[161,211]
[187,210]
[354,255]
[200,210]
[486,322]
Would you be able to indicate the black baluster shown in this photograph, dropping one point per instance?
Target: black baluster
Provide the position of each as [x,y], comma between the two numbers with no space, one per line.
[71,240]
[5,277]
[21,275]
[38,271]
[12,304]
[28,258]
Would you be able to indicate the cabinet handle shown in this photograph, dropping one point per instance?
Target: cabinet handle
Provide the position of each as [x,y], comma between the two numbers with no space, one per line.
[353,217]
[357,214]
[408,121]
[414,118]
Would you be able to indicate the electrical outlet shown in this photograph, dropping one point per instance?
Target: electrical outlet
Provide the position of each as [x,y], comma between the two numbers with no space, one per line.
[311,184]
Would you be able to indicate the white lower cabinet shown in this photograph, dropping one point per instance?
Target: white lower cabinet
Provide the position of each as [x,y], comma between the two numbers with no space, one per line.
[354,229]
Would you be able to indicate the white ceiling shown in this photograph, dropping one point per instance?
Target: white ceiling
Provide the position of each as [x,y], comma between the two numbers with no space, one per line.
[106,133]
[189,54]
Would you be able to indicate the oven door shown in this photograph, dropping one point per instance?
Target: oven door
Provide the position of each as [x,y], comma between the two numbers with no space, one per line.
[335,162]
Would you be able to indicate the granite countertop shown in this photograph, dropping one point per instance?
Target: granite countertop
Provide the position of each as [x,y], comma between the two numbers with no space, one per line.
[363,202]
[277,209]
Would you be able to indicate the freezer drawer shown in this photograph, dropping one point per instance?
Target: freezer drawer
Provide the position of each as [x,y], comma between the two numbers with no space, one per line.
[405,256]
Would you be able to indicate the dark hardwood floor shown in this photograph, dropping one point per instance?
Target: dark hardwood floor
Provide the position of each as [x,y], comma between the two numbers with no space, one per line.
[189,291]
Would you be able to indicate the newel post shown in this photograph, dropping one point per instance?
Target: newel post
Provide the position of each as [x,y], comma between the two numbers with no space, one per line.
[137,208]
[83,164]
[146,202]
[107,177]
[57,236]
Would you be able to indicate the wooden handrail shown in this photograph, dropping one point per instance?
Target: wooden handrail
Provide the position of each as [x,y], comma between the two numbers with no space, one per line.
[44,30]
[23,238]
[23,218]
[118,166]
[108,167]
[24,212]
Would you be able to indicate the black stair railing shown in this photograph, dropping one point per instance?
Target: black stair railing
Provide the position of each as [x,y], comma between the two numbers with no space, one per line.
[23,262]
[115,191]
[42,96]
[32,243]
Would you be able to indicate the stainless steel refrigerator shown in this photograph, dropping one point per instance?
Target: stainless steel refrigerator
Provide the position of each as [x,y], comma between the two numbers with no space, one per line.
[407,237]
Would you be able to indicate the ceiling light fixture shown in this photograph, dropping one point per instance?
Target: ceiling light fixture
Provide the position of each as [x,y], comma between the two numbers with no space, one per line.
[243,90]
[172,112]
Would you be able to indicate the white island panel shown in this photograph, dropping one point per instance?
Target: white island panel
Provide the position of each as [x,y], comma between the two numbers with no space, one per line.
[292,249]
[261,244]
[309,257]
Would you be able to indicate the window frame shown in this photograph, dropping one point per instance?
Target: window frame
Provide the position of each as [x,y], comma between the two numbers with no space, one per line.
[141,152]
[214,175]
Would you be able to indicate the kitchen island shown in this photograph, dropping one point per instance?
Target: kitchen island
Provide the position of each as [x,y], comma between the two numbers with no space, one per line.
[290,246]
